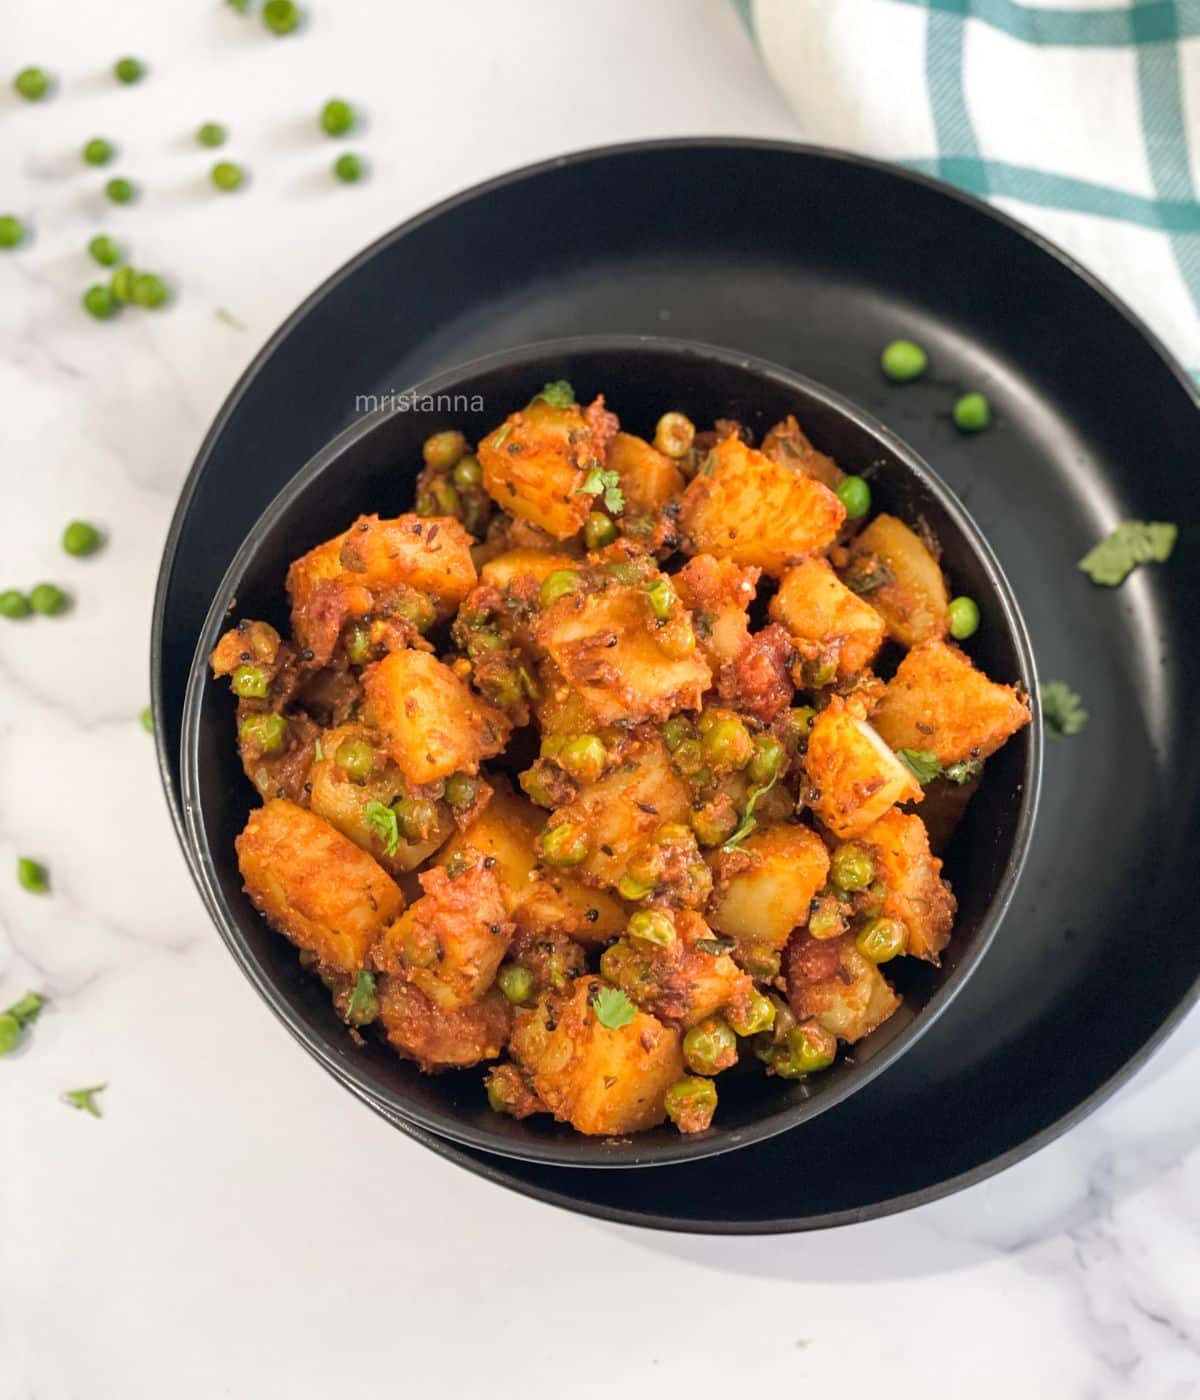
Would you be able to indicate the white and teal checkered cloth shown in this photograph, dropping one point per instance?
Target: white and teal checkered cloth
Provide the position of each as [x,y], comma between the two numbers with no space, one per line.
[1081,118]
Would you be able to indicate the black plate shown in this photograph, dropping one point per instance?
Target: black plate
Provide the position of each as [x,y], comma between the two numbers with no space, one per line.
[372,467]
[815,260]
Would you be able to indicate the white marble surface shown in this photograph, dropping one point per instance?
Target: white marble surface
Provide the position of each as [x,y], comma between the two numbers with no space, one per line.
[236,1225]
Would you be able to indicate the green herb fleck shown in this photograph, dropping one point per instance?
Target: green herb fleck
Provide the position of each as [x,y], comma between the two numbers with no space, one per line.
[749,821]
[613,1008]
[19,1015]
[31,876]
[1133,542]
[715,946]
[600,480]
[963,771]
[363,1006]
[85,1099]
[1062,708]
[558,394]
[223,314]
[922,764]
[382,821]
[147,719]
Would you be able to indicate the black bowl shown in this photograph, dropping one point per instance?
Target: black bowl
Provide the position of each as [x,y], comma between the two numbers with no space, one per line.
[371,467]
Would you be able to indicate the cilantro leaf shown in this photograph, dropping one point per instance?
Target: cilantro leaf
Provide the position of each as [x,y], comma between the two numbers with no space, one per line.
[613,1008]
[558,394]
[600,480]
[749,821]
[963,771]
[1062,708]
[85,1099]
[363,1006]
[383,823]
[715,946]
[1133,542]
[921,763]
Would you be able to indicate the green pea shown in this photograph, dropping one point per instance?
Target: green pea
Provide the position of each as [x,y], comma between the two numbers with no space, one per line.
[105,250]
[281,16]
[211,134]
[356,758]
[807,1049]
[800,722]
[852,867]
[855,495]
[881,940]
[825,921]
[565,844]
[652,926]
[631,888]
[129,70]
[468,473]
[47,599]
[766,760]
[727,744]
[662,598]
[349,168]
[267,732]
[120,284]
[583,758]
[623,571]
[676,731]
[250,682]
[32,84]
[709,1047]
[557,585]
[10,1032]
[516,982]
[964,618]
[227,176]
[337,117]
[417,817]
[759,1017]
[98,151]
[713,825]
[31,876]
[691,1103]
[147,719]
[598,530]
[903,360]
[674,434]
[358,644]
[441,451]
[14,604]
[121,190]
[12,231]
[972,413]
[80,538]
[148,290]
[462,791]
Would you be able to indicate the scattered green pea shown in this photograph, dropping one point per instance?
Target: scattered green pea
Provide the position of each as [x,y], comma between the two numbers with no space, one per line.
[766,761]
[358,644]
[47,599]
[673,434]
[727,744]
[211,134]
[972,413]
[691,1102]
[100,302]
[631,888]
[80,538]
[903,360]
[516,982]
[417,817]
[760,1016]
[441,451]
[709,1047]
[807,1049]
[14,1020]
[14,604]
[250,682]
[662,598]
[12,231]
[851,867]
[32,84]
[565,844]
[598,530]
[964,618]
[881,939]
[468,472]
[120,284]
[356,758]
[120,190]
[584,758]
[10,1033]
[129,70]
[462,790]
[652,926]
[148,290]
[227,175]
[349,168]
[281,16]
[98,151]
[267,732]
[147,719]
[557,585]
[31,876]
[337,117]
[105,250]
[855,495]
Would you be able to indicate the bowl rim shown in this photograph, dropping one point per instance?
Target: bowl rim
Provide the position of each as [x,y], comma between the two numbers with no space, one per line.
[586,1152]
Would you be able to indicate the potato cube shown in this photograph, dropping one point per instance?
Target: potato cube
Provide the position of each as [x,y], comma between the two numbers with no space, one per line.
[535,465]
[761,905]
[916,895]
[894,568]
[832,983]
[438,1038]
[745,507]
[939,701]
[601,1081]
[856,776]
[314,885]
[503,569]
[718,593]
[650,480]
[826,621]
[432,723]
[787,444]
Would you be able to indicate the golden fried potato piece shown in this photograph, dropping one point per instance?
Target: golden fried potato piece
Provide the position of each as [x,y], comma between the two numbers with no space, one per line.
[903,580]
[826,621]
[787,444]
[502,569]
[437,1038]
[650,480]
[256,642]
[450,941]
[718,594]
[830,981]
[535,465]
[314,885]
[916,895]
[624,662]
[761,905]
[601,1081]
[856,776]
[745,507]
[432,723]
[939,701]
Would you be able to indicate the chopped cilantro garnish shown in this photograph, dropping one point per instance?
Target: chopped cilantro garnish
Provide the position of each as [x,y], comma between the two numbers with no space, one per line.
[1133,542]
[1062,708]
[363,1006]
[613,1008]
[558,394]
[921,763]
[600,480]
[85,1099]
[382,821]
[749,821]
